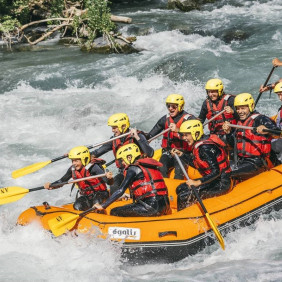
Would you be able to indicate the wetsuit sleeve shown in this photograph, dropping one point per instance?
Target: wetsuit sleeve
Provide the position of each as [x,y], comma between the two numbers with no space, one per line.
[159,127]
[203,113]
[266,121]
[230,103]
[209,153]
[66,177]
[102,150]
[144,145]
[187,158]
[96,169]
[131,174]
[192,117]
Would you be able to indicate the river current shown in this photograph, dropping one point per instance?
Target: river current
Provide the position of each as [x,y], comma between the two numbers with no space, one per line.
[55,97]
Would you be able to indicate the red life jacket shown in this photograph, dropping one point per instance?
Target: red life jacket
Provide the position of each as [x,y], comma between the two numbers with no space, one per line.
[153,183]
[172,139]
[90,186]
[117,144]
[215,126]
[222,159]
[250,144]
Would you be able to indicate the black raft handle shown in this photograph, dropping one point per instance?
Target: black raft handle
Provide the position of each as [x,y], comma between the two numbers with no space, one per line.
[165,233]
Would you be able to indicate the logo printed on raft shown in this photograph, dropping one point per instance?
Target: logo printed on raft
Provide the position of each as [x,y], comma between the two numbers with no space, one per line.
[124,233]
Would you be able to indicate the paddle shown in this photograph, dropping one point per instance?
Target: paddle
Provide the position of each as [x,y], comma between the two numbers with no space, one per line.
[151,139]
[34,167]
[65,222]
[211,223]
[15,193]
[213,118]
[272,131]
[159,134]
[276,63]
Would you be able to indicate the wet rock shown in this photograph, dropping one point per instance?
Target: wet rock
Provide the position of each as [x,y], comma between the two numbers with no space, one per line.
[235,35]
[186,30]
[137,31]
[70,40]
[33,33]
[100,45]
[187,5]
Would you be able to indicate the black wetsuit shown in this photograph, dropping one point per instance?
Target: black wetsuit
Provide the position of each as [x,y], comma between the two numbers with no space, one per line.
[84,202]
[213,184]
[150,206]
[244,168]
[276,144]
[166,159]
[142,144]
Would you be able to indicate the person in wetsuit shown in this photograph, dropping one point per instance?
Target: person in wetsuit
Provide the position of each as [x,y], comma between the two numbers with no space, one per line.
[146,185]
[91,191]
[173,120]
[217,101]
[253,147]
[120,125]
[276,144]
[208,155]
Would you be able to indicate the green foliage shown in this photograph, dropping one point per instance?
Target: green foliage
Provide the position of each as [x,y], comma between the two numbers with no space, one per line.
[21,11]
[98,18]
[8,24]
[57,7]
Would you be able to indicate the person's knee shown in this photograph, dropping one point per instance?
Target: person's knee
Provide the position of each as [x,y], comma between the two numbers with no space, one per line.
[81,204]
[164,171]
[183,195]
[181,188]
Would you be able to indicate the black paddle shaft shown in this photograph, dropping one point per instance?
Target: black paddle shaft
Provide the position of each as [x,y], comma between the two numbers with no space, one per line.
[273,131]
[58,158]
[273,68]
[36,189]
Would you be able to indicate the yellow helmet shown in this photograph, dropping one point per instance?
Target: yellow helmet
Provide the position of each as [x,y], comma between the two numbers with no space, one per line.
[176,99]
[80,152]
[215,84]
[119,120]
[278,87]
[195,127]
[128,150]
[245,99]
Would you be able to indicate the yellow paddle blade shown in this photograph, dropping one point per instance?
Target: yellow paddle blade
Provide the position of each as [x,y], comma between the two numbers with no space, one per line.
[11,194]
[216,231]
[62,223]
[157,154]
[29,169]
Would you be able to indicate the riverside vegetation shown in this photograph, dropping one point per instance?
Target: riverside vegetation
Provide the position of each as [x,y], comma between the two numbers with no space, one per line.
[81,22]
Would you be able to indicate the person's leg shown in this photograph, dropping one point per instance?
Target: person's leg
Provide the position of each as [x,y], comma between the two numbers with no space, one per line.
[166,160]
[276,146]
[131,210]
[178,173]
[186,197]
[100,197]
[82,203]
[246,169]
[117,181]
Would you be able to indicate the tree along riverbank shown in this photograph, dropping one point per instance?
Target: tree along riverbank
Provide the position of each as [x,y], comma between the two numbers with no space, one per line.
[87,23]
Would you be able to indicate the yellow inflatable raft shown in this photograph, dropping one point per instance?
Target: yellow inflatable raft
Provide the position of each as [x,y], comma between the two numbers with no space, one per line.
[173,237]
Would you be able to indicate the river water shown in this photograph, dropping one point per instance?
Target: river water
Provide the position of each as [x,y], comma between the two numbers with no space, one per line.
[55,97]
